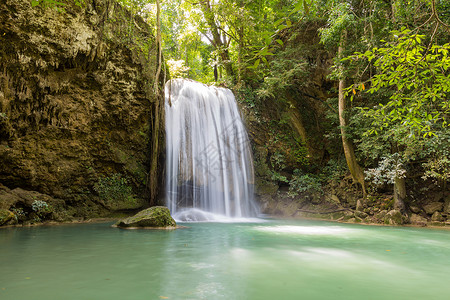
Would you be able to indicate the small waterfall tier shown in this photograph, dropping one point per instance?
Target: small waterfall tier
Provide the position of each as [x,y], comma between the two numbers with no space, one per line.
[209,166]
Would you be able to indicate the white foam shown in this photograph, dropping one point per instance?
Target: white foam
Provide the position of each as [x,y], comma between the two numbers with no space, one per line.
[198,215]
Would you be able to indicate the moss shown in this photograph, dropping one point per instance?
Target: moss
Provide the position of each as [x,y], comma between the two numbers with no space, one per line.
[156,216]
[5,216]
[264,187]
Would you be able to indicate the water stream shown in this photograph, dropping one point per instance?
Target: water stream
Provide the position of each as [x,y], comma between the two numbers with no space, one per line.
[209,170]
[268,259]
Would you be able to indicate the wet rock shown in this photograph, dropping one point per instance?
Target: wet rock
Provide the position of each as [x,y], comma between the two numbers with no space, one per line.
[432,207]
[359,205]
[447,208]
[361,214]
[381,215]
[5,216]
[393,217]
[153,217]
[415,209]
[436,223]
[332,199]
[315,199]
[265,187]
[337,215]
[8,199]
[437,216]
[416,219]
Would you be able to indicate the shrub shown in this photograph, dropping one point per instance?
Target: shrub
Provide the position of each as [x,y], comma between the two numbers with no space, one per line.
[304,183]
[114,189]
[389,168]
[41,208]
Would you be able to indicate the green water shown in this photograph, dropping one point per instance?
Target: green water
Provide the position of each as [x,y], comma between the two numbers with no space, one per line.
[268,260]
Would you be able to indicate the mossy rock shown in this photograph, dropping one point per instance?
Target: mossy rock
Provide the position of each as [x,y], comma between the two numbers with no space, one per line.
[394,217]
[153,217]
[265,187]
[5,216]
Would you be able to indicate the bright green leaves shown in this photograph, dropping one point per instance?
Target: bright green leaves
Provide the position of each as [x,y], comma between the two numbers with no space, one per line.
[417,81]
[59,6]
[340,19]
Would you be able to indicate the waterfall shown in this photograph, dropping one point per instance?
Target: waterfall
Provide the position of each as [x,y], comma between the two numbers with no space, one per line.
[209,166]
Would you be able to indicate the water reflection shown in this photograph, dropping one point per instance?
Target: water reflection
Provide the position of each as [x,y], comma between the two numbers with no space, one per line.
[272,260]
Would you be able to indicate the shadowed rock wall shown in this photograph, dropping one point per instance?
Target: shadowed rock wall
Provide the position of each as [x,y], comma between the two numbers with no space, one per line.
[77,105]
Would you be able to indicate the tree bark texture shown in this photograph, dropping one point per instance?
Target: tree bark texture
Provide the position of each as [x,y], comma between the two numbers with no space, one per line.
[355,170]
[399,193]
[220,46]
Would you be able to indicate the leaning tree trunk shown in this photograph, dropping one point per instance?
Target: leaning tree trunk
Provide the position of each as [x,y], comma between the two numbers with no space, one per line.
[350,157]
[299,127]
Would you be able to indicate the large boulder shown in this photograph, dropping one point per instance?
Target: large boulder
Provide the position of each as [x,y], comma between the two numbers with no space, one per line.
[416,219]
[153,217]
[433,207]
[394,217]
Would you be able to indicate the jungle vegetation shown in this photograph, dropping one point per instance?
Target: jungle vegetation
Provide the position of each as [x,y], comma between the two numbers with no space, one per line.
[384,106]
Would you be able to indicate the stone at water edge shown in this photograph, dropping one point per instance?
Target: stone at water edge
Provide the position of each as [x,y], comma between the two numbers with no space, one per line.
[153,217]
[5,216]
[394,217]
[416,219]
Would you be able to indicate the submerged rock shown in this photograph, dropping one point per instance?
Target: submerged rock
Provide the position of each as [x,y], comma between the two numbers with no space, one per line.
[153,217]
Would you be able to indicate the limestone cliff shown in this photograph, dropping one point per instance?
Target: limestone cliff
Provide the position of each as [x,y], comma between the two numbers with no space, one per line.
[77,112]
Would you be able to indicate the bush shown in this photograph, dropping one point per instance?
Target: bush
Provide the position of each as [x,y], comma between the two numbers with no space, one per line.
[389,168]
[334,170]
[304,183]
[114,189]
[41,208]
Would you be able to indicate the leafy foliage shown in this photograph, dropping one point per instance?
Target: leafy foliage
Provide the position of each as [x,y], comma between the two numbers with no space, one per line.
[389,168]
[417,80]
[55,4]
[114,189]
[40,207]
[304,183]
[177,68]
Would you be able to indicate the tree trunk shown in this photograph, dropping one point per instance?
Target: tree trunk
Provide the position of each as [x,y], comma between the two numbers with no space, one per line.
[399,193]
[159,47]
[152,177]
[220,46]
[297,124]
[355,169]
[240,51]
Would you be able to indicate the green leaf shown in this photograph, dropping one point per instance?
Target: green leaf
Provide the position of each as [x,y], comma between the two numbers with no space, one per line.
[256,64]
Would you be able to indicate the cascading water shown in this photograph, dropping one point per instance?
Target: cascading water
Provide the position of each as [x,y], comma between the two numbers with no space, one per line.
[209,169]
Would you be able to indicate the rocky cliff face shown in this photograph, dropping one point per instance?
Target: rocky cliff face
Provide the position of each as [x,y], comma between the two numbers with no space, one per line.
[78,117]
